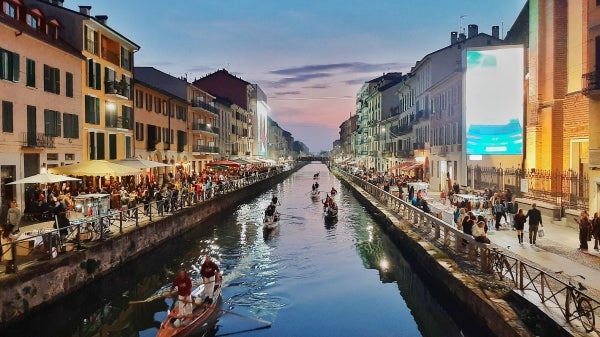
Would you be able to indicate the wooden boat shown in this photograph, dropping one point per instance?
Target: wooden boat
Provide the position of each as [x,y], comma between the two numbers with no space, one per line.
[330,212]
[271,221]
[315,195]
[203,312]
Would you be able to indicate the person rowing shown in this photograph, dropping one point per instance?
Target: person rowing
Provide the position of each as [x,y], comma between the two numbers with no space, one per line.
[333,191]
[183,283]
[209,272]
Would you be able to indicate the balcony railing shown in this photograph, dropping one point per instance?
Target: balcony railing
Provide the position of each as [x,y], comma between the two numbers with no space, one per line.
[204,128]
[401,130]
[205,106]
[205,149]
[592,83]
[37,139]
[118,88]
[118,122]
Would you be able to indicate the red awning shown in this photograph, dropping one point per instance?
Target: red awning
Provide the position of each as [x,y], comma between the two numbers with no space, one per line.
[406,166]
[224,162]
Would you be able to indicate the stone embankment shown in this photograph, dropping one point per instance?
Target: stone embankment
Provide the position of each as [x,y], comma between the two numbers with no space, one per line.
[39,286]
[468,299]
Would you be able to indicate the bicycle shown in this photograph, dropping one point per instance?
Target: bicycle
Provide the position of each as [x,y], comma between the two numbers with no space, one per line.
[498,262]
[583,305]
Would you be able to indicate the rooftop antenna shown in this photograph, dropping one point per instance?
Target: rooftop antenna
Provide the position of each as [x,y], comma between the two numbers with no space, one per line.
[461,28]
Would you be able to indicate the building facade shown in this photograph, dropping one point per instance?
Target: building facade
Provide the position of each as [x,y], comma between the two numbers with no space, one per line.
[40,93]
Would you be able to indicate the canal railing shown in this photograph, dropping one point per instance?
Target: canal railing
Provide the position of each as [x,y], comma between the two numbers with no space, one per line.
[47,243]
[552,291]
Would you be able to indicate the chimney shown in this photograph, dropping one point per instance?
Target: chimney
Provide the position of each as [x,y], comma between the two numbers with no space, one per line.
[453,37]
[59,2]
[86,10]
[496,31]
[473,30]
[102,19]
[462,37]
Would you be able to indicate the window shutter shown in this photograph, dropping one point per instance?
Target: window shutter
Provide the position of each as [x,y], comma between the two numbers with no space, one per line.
[92,145]
[46,78]
[69,84]
[100,145]
[7,116]
[97,110]
[57,81]
[97,77]
[74,126]
[16,67]
[90,66]
[112,146]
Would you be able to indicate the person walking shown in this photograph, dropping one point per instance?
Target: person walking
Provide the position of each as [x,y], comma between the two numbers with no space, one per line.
[584,230]
[13,217]
[499,211]
[519,223]
[535,220]
[596,229]
[209,271]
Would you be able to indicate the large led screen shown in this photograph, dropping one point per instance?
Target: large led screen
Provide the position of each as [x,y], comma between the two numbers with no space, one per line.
[263,111]
[494,101]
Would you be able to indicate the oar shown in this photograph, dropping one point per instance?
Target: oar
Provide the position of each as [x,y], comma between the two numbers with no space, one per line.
[151,298]
[266,325]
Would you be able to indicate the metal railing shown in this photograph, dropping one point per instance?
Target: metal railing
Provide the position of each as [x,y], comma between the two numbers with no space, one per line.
[547,287]
[37,139]
[47,243]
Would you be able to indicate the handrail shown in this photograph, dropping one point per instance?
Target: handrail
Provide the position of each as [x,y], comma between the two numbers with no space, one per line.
[520,273]
[101,227]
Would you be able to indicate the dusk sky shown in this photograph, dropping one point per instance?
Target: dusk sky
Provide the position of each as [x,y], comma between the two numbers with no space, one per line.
[309,57]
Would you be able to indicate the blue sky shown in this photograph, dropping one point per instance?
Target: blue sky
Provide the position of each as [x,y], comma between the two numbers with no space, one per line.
[310,57]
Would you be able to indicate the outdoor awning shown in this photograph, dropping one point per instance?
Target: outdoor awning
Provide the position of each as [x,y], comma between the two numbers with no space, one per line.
[406,166]
[96,168]
[140,163]
[241,161]
[43,178]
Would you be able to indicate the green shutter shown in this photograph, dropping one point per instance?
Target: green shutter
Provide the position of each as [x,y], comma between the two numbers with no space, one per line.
[56,81]
[69,84]
[16,67]
[112,146]
[90,72]
[97,110]
[100,145]
[46,78]
[30,68]
[75,126]
[92,145]
[7,116]
[88,109]
[97,77]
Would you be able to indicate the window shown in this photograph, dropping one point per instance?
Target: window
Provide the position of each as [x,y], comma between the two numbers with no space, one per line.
[69,156]
[7,116]
[126,57]
[100,145]
[127,147]
[92,110]
[51,79]
[127,116]
[91,40]
[94,79]
[92,145]
[9,65]
[181,140]
[69,84]
[112,146]
[32,21]
[51,156]
[30,65]
[71,126]
[110,79]
[52,127]
[148,102]
[9,9]
[139,131]
[139,99]
[157,105]
[180,112]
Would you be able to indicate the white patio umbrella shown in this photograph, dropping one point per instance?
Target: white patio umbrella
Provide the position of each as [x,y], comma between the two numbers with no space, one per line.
[96,168]
[140,163]
[43,178]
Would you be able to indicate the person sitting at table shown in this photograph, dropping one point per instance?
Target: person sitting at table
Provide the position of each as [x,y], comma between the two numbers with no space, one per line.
[479,231]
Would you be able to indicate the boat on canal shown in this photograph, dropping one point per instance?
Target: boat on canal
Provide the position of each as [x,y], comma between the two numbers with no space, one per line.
[330,211]
[271,221]
[204,314]
[314,195]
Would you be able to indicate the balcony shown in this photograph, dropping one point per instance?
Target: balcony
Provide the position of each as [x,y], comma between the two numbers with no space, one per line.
[118,122]
[205,149]
[591,85]
[418,146]
[203,105]
[206,128]
[401,130]
[440,150]
[117,89]
[421,116]
[36,140]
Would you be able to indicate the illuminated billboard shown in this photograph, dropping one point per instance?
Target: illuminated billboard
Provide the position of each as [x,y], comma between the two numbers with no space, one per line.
[494,101]
[262,112]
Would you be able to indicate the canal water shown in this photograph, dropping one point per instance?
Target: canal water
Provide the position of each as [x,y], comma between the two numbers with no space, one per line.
[308,278]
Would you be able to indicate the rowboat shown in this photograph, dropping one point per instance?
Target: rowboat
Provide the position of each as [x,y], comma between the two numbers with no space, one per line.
[330,212]
[203,312]
[271,221]
[314,195]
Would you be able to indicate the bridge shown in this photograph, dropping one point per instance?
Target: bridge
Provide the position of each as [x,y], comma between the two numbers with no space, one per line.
[314,158]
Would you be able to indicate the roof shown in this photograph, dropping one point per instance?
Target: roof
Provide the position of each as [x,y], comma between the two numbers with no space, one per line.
[88,17]
[161,81]
[225,72]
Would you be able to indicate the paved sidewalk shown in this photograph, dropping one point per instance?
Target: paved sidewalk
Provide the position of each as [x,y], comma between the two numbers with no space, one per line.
[556,251]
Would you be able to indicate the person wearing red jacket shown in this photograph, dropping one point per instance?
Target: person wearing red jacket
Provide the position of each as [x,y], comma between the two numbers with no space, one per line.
[209,272]
[183,283]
